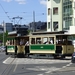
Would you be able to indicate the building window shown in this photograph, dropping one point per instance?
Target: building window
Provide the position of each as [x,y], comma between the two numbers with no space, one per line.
[48,25]
[48,11]
[55,25]
[55,10]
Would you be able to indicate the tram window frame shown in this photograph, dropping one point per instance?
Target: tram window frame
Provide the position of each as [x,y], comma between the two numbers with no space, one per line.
[45,42]
[32,40]
[49,40]
[38,40]
[59,40]
[69,42]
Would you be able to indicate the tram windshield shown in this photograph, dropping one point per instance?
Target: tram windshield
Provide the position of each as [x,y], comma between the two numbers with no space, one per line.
[17,41]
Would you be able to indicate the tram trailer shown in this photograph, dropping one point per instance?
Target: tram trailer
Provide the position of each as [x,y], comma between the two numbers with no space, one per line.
[61,49]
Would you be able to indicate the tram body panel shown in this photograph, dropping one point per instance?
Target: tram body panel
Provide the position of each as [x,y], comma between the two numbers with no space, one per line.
[10,49]
[42,52]
[63,49]
[67,49]
[70,49]
[42,48]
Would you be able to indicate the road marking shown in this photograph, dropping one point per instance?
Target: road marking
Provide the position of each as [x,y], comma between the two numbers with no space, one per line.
[69,64]
[66,65]
[39,74]
[16,65]
[15,68]
[37,61]
[6,60]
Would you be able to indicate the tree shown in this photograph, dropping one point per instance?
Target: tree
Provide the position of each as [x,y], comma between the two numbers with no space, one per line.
[5,37]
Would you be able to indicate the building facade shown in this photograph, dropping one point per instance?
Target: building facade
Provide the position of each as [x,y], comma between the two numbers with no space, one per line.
[38,26]
[10,27]
[60,14]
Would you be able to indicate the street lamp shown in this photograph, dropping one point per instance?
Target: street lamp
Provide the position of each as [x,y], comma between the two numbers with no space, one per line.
[3,32]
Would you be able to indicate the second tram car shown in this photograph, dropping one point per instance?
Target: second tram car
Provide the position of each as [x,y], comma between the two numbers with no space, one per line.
[57,45]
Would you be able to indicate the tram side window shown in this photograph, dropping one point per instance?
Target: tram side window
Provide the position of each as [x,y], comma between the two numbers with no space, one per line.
[64,41]
[45,40]
[8,42]
[38,40]
[51,40]
[69,42]
[32,40]
[59,40]
[11,42]
[48,40]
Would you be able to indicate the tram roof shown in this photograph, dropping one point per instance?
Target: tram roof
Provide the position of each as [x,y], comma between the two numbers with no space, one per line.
[54,32]
[37,35]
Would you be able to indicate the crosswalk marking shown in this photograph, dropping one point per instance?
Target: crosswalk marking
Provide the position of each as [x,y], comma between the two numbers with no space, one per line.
[34,61]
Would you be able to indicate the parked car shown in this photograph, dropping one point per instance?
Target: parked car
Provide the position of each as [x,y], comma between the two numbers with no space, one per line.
[73,58]
[2,48]
[73,42]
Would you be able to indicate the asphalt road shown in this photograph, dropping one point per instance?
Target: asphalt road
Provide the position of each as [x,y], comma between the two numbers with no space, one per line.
[2,58]
[30,66]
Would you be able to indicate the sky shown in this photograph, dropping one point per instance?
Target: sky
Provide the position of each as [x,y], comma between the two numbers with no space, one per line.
[17,9]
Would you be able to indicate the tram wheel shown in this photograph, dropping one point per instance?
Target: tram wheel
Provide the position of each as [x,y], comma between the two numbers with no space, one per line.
[6,53]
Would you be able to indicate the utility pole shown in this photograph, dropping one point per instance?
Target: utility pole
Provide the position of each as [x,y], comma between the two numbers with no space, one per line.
[51,20]
[3,32]
[34,27]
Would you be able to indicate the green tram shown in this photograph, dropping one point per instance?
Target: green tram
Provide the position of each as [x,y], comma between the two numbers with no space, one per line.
[56,45]
[14,45]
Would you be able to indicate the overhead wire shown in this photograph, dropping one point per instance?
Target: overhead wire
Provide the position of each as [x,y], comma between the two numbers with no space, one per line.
[19,12]
[5,12]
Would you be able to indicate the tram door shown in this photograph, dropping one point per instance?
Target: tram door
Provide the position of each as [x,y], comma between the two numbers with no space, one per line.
[58,44]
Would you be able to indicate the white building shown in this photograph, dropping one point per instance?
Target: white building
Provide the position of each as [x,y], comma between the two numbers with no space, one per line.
[60,14]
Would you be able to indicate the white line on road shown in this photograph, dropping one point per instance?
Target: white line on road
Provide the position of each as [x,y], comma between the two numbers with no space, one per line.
[15,68]
[6,60]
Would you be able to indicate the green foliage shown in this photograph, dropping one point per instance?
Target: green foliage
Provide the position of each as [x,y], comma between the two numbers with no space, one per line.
[5,37]
[28,31]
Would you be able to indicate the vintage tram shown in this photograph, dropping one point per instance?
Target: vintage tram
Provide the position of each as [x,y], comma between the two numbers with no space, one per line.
[46,44]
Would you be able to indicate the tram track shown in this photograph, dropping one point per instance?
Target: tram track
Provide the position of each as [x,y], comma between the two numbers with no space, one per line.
[8,69]
[3,58]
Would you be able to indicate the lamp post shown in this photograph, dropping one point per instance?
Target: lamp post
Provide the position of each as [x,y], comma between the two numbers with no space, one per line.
[3,33]
[51,20]
[34,27]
